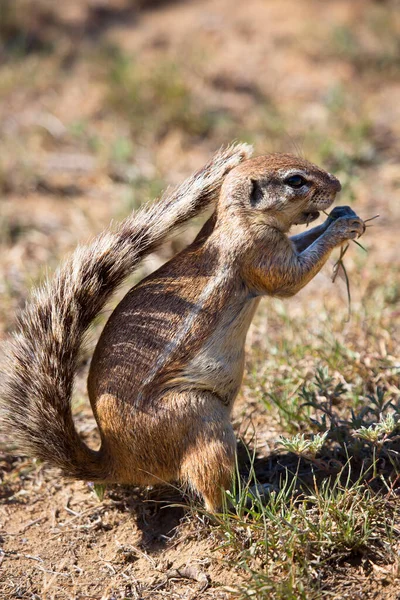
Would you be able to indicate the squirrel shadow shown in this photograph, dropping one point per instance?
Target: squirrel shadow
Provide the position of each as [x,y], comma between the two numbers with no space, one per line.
[159,511]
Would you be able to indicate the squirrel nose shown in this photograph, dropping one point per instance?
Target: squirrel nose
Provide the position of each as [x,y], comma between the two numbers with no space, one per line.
[335,183]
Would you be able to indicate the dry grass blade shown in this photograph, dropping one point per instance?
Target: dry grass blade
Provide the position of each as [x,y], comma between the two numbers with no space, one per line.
[371,218]
[339,264]
[336,268]
[360,246]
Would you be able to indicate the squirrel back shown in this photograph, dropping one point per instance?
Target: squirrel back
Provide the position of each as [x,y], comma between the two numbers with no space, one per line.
[40,360]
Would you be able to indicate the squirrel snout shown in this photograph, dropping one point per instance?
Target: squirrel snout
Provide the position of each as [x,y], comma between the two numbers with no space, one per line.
[337,186]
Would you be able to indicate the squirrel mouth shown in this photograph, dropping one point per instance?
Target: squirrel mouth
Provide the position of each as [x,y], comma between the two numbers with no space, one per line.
[307,217]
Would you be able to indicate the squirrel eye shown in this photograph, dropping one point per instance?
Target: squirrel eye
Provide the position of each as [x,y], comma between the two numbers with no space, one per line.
[295,181]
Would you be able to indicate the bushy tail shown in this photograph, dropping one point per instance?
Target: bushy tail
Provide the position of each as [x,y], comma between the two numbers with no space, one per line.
[41,357]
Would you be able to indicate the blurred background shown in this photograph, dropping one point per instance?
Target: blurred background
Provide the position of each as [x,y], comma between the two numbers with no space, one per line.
[105,102]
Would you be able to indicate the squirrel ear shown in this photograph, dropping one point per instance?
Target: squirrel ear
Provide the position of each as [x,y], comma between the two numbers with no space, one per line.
[261,196]
[256,193]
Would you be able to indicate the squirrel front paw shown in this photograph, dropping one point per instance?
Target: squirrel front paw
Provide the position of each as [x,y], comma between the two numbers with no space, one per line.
[346,227]
[337,213]
[340,211]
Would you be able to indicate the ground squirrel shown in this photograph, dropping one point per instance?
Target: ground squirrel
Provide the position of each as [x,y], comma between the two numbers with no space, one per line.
[169,362]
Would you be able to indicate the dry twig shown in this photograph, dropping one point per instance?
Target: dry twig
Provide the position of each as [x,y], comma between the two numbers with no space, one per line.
[339,264]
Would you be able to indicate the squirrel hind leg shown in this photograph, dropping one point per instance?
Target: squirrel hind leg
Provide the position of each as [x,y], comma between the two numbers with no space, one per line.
[209,467]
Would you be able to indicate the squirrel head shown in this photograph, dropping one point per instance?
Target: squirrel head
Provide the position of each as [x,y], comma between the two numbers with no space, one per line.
[280,190]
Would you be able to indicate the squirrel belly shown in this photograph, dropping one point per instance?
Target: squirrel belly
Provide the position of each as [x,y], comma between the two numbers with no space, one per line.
[183,327]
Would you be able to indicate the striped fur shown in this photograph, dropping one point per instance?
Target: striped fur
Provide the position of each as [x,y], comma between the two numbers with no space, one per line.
[41,357]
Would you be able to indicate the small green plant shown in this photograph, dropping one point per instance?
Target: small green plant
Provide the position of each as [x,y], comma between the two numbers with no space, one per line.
[362,440]
[285,541]
[300,445]
[321,395]
[99,490]
[378,433]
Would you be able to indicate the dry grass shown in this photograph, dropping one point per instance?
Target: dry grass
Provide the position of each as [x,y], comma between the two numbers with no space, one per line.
[101,105]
